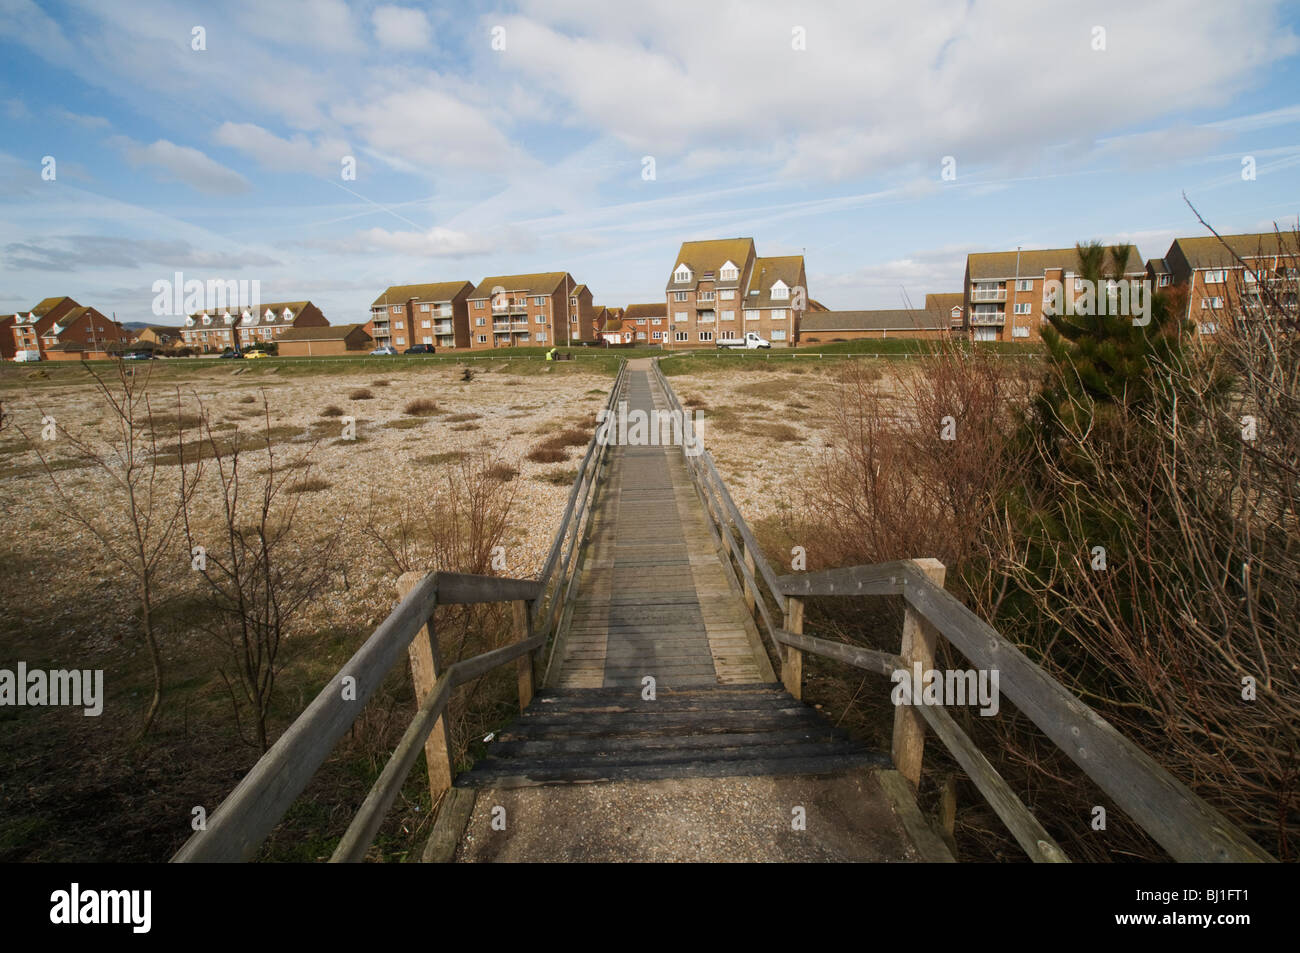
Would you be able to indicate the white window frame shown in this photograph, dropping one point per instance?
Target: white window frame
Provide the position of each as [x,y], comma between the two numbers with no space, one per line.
[682,335]
[751,314]
[1019,332]
[682,273]
[706,335]
[778,334]
[657,335]
[728,315]
[1023,307]
[680,316]
[680,296]
[1215,277]
[727,294]
[424,307]
[780,291]
[728,272]
[482,339]
[778,314]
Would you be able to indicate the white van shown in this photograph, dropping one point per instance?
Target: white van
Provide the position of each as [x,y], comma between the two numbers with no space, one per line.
[27,356]
[750,341]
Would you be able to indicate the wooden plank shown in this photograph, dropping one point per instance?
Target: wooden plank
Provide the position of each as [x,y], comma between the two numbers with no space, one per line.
[927,843]
[792,663]
[1019,820]
[426,666]
[456,588]
[882,663]
[1183,824]
[449,827]
[883,579]
[523,626]
[361,832]
[237,828]
[920,641]
[356,840]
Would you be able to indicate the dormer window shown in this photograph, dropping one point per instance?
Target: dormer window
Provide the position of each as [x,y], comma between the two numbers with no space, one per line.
[207,318]
[227,318]
[682,274]
[189,321]
[780,291]
[729,272]
[270,315]
[246,317]
[287,314]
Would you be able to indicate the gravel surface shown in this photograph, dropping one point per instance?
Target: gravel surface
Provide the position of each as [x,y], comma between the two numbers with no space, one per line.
[848,818]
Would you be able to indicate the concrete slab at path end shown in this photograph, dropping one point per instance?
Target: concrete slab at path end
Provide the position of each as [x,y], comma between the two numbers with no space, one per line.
[746,819]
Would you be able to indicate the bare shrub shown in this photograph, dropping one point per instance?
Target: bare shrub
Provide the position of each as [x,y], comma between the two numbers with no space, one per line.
[259,569]
[457,526]
[360,393]
[332,410]
[136,517]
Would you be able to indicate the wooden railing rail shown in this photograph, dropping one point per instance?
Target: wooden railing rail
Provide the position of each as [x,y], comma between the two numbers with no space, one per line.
[1183,824]
[560,569]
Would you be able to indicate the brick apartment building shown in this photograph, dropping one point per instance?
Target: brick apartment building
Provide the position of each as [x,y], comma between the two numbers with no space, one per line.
[721,289]
[158,336]
[219,329]
[584,317]
[7,349]
[520,310]
[952,304]
[1217,283]
[1004,291]
[30,325]
[648,323]
[83,334]
[436,314]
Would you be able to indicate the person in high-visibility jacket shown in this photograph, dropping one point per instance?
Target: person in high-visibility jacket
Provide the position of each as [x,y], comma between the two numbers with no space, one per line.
[550,355]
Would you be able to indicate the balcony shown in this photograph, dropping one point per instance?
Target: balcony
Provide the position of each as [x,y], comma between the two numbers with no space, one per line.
[442,327]
[510,307]
[988,318]
[988,294]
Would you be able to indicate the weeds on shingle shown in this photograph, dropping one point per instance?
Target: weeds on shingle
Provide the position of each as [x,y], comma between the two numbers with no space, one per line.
[332,411]
[422,407]
[361,393]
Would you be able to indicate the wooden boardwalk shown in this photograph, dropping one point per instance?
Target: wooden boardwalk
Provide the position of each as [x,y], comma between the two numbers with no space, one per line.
[653,595]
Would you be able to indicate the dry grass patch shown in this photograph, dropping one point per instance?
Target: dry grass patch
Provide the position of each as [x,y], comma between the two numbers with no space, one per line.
[422,407]
[458,418]
[545,454]
[332,411]
[309,485]
[501,472]
[361,393]
[465,427]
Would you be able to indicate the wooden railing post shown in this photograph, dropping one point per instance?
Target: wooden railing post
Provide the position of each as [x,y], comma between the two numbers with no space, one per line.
[920,640]
[426,666]
[523,627]
[792,659]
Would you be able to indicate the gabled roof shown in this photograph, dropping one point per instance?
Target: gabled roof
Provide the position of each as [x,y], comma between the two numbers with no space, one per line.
[67,321]
[914,319]
[1157,266]
[1210,253]
[1034,263]
[945,301]
[543,283]
[438,291]
[657,309]
[709,256]
[335,332]
[766,273]
[576,290]
[49,304]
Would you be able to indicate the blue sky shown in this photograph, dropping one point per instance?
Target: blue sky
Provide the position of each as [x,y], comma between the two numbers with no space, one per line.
[471,160]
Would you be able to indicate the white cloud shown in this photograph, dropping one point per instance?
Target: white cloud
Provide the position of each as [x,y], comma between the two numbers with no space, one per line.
[182,164]
[401,28]
[286,155]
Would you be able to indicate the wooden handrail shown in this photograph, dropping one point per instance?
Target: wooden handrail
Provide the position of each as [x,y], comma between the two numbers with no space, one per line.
[236,829]
[361,832]
[1182,823]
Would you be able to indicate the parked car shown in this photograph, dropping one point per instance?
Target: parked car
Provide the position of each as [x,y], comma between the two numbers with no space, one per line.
[139,356]
[420,349]
[749,342]
[383,351]
[255,353]
[229,354]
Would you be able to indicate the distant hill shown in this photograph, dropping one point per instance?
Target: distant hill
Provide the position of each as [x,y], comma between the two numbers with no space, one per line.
[141,325]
